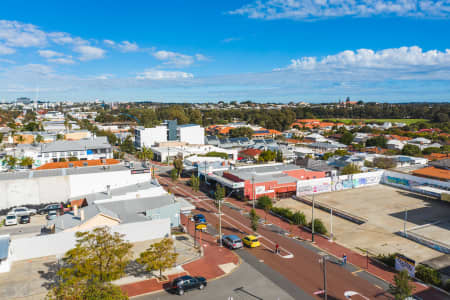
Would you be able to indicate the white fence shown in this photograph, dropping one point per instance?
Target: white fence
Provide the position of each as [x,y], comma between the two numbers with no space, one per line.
[59,243]
[337,183]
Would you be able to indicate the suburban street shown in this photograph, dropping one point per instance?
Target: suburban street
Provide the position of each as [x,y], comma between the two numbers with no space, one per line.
[252,280]
[298,264]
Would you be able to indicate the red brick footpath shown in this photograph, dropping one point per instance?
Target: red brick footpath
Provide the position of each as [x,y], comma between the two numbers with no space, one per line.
[333,248]
[206,266]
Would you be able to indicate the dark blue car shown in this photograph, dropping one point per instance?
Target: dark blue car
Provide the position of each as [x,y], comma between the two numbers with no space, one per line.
[199,218]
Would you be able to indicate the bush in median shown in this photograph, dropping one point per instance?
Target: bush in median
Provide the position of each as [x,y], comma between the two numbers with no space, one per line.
[319,227]
[264,202]
[428,275]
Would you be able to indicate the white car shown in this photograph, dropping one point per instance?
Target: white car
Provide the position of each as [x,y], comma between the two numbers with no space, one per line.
[22,211]
[11,219]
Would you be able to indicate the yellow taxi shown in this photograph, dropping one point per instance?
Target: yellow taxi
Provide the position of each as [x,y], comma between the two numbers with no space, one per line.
[201,226]
[251,241]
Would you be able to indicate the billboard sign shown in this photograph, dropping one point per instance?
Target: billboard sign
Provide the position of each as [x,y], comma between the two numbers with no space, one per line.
[405,263]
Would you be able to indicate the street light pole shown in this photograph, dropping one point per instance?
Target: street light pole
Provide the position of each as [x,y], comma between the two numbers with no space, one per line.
[220,222]
[331,225]
[253,190]
[325,276]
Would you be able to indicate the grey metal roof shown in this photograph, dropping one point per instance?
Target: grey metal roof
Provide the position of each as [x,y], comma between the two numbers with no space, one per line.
[80,145]
[133,210]
[4,246]
[443,163]
[62,172]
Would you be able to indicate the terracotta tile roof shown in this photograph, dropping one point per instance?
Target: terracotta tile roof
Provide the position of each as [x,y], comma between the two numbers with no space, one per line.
[293,141]
[273,131]
[251,152]
[437,156]
[398,137]
[432,172]
[76,164]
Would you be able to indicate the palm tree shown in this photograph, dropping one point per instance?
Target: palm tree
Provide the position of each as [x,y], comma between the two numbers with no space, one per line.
[145,154]
[11,161]
[39,138]
[20,139]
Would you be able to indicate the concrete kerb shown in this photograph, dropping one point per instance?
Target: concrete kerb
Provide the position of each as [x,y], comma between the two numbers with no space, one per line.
[212,279]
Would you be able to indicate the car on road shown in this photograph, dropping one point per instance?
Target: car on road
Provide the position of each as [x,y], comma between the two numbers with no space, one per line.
[51,215]
[186,283]
[201,226]
[48,208]
[24,219]
[251,241]
[22,211]
[232,241]
[199,218]
[11,219]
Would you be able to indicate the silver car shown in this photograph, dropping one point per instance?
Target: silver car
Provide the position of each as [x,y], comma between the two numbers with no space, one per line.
[232,241]
[22,211]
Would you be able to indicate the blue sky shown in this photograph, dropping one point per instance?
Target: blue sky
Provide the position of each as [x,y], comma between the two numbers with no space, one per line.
[267,50]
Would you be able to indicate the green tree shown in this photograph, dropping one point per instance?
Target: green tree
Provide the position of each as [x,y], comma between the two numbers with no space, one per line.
[85,290]
[59,136]
[73,158]
[242,132]
[264,202]
[20,139]
[11,162]
[160,256]
[378,141]
[267,155]
[26,162]
[411,150]
[254,218]
[428,275]
[401,289]
[279,157]
[327,155]
[39,138]
[174,175]
[430,150]
[178,165]
[350,169]
[127,146]
[195,183]
[145,154]
[219,194]
[99,255]
[347,138]
[384,162]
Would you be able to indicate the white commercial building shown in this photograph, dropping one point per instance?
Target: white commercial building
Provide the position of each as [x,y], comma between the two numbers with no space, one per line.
[147,137]
[192,134]
[169,153]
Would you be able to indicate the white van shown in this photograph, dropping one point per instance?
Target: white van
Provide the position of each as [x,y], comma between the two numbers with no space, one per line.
[11,219]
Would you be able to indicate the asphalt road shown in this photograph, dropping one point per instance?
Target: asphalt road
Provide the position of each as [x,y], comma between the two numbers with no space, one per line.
[253,280]
[20,229]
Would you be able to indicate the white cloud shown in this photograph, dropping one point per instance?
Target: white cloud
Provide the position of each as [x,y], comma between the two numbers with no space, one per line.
[62,60]
[152,74]
[89,52]
[126,46]
[201,57]
[396,63]
[63,38]
[109,42]
[323,9]
[231,39]
[174,59]
[104,76]
[4,50]
[17,34]
[49,53]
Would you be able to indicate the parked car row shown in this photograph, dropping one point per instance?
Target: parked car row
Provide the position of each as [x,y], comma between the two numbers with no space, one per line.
[22,215]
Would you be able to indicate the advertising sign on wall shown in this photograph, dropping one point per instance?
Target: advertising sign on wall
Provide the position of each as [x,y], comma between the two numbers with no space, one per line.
[308,187]
[405,263]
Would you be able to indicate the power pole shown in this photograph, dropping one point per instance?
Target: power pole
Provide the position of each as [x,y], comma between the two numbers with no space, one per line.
[404,223]
[312,220]
[253,190]
[331,225]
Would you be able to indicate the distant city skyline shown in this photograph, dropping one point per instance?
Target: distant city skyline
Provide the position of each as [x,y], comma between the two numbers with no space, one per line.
[262,51]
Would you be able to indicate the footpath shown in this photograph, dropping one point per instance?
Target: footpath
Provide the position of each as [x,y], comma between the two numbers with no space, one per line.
[215,263]
[360,261]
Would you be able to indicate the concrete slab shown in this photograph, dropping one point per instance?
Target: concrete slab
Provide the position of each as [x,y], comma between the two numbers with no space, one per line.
[227,268]
[384,207]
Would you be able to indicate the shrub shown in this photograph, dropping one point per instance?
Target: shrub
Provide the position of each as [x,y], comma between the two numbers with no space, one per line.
[284,212]
[388,259]
[428,275]
[298,218]
[319,227]
[264,202]
[446,285]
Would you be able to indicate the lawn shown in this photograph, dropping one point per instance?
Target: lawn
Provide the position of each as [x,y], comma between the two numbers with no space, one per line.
[348,121]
